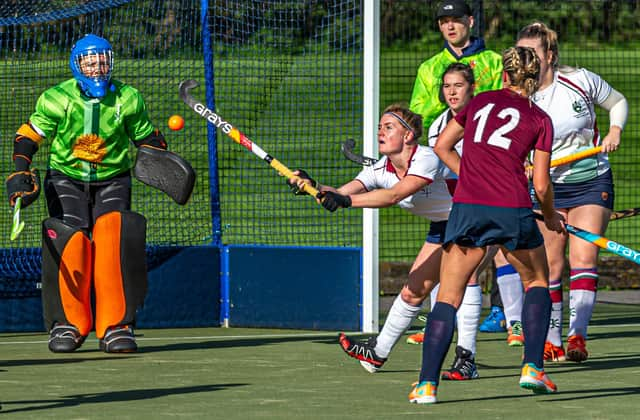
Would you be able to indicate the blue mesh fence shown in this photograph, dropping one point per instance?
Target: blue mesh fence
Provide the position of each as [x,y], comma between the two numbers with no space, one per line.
[289,75]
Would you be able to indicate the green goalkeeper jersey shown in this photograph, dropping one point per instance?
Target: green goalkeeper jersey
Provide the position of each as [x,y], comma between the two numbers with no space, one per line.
[90,138]
[487,70]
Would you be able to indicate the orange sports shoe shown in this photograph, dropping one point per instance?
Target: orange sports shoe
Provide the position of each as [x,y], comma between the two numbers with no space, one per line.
[553,353]
[424,393]
[417,338]
[577,348]
[536,380]
[515,336]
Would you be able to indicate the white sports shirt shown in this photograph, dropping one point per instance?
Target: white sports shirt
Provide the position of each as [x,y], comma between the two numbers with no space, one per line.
[432,202]
[438,126]
[570,102]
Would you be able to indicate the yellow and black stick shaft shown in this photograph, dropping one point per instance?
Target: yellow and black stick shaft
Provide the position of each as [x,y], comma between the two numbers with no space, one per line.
[236,135]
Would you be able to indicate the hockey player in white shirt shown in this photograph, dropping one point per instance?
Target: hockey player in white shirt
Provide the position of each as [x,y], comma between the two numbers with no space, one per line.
[583,191]
[411,176]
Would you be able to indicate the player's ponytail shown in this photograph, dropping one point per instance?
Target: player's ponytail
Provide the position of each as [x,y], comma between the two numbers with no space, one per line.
[522,66]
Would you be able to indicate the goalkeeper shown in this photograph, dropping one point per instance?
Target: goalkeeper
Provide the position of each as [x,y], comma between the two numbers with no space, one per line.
[92,243]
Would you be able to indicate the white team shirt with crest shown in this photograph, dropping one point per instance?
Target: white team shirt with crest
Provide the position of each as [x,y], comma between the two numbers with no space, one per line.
[432,202]
[570,102]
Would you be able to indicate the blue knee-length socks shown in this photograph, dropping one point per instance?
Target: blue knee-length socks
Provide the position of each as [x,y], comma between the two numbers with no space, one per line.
[536,312]
[437,339]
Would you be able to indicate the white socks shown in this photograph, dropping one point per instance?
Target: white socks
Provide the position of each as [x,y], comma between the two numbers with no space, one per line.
[582,299]
[468,317]
[555,322]
[400,317]
[511,293]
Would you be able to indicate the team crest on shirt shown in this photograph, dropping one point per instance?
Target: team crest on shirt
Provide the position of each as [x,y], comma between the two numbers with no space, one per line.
[90,147]
[579,107]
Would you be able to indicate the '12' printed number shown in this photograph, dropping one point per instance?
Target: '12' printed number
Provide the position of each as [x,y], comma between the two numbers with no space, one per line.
[497,138]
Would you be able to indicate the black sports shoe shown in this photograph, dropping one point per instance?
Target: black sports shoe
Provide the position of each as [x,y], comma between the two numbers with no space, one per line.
[463,367]
[363,351]
[119,339]
[64,339]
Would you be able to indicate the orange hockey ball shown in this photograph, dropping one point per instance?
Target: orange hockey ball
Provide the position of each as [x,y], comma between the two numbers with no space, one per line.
[176,122]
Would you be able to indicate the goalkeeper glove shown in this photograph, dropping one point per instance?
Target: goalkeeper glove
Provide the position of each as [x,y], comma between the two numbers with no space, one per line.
[25,184]
[155,140]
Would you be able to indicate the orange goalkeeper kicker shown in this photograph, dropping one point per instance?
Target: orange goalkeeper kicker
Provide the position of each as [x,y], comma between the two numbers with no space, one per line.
[236,134]
[574,157]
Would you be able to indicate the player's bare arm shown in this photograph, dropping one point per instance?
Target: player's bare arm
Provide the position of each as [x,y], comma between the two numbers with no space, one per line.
[387,197]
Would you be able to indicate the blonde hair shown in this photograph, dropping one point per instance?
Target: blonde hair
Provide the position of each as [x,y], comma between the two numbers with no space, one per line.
[547,36]
[522,66]
[410,120]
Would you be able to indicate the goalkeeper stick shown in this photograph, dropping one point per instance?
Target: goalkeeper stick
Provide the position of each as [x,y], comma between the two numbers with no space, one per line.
[236,135]
[17,225]
[574,157]
[601,241]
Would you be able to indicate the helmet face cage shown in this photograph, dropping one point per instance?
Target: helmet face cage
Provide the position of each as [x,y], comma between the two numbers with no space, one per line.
[91,63]
[94,64]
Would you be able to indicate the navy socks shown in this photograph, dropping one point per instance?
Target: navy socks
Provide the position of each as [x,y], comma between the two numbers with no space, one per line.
[437,339]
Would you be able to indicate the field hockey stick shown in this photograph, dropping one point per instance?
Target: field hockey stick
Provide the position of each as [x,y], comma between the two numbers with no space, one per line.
[236,135]
[347,150]
[17,225]
[601,241]
[621,214]
[574,157]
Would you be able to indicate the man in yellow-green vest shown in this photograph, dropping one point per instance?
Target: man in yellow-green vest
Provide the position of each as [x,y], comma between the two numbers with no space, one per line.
[455,21]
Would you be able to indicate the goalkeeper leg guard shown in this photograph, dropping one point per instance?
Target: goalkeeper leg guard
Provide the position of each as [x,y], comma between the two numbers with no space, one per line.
[120,277]
[66,284]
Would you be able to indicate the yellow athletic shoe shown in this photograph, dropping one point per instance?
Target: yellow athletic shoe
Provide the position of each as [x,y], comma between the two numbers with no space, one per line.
[536,380]
[424,393]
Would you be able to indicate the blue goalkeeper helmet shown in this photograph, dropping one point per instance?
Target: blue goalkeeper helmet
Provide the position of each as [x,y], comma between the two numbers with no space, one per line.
[91,63]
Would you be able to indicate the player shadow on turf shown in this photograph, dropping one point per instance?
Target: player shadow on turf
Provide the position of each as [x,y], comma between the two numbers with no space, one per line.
[220,342]
[561,396]
[596,393]
[595,362]
[615,321]
[611,334]
[60,361]
[110,397]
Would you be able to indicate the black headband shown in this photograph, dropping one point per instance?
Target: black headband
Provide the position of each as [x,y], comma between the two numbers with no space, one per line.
[402,121]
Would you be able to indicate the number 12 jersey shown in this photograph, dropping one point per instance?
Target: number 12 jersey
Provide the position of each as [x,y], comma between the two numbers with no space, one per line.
[500,129]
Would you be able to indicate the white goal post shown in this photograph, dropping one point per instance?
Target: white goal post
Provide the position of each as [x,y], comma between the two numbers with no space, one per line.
[371,99]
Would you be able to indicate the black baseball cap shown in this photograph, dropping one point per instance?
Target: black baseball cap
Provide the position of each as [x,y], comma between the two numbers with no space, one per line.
[455,8]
